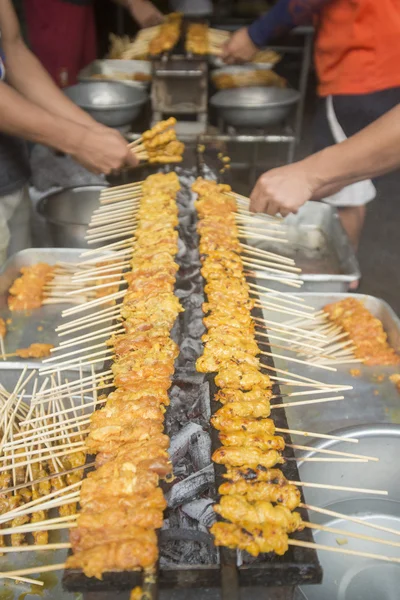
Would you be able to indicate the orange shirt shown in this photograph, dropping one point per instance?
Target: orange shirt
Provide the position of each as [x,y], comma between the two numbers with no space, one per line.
[357,49]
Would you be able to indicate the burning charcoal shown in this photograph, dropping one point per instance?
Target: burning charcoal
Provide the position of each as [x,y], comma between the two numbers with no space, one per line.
[191,349]
[180,441]
[181,248]
[196,300]
[201,510]
[184,491]
[205,404]
[196,328]
[200,449]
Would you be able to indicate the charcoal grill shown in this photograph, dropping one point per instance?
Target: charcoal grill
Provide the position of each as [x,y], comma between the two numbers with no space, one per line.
[220,569]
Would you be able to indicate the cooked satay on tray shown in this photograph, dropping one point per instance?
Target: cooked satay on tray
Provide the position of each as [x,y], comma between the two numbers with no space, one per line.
[364,330]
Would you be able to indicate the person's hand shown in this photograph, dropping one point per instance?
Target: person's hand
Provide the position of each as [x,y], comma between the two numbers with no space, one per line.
[102,150]
[145,13]
[239,48]
[283,190]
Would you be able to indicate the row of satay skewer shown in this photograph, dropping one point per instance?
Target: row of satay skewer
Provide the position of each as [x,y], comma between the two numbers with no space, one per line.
[121,502]
[257,501]
[127,434]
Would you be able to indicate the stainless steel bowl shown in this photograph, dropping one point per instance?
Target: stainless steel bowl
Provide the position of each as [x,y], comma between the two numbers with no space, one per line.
[216,62]
[68,213]
[352,577]
[109,102]
[254,106]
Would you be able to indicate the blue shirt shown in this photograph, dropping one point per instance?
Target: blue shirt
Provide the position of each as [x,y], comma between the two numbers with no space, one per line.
[284,16]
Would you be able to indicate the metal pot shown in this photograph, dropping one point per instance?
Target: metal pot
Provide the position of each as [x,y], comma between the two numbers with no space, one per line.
[109,102]
[67,214]
[254,106]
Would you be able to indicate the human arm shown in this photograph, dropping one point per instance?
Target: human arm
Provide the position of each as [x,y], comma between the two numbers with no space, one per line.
[34,108]
[26,74]
[142,11]
[369,153]
[282,18]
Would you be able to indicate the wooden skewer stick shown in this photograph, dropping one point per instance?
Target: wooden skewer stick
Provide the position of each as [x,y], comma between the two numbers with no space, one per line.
[31,570]
[97,287]
[34,547]
[109,312]
[111,236]
[346,534]
[275,308]
[261,252]
[106,331]
[286,329]
[77,365]
[306,402]
[107,319]
[116,245]
[290,282]
[281,295]
[290,359]
[330,460]
[340,488]
[312,434]
[40,526]
[343,551]
[282,270]
[114,188]
[333,452]
[93,303]
[244,233]
[332,513]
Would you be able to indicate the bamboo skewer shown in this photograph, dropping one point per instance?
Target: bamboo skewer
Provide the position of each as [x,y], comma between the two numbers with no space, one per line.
[312,434]
[343,551]
[332,513]
[31,571]
[306,402]
[286,280]
[340,488]
[346,534]
[290,359]
[333,452]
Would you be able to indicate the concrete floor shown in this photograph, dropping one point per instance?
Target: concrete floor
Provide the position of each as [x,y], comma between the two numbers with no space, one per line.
[379,252]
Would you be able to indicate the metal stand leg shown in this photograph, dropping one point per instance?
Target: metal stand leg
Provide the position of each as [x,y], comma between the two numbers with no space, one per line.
[304,74]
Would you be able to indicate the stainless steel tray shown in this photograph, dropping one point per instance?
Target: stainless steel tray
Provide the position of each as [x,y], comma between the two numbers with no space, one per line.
[347,577]
[38,325]
[320,247]
[111,67]
[373,399]
[371,413]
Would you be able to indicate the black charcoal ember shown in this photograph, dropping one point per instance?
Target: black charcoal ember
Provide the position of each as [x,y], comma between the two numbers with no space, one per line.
[195,301]
[181,248]
[200,449]
[196,328]
[201,510]
[179,445]
[191,350]
[194,485]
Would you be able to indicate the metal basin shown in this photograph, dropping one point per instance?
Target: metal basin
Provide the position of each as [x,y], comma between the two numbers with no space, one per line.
[68,214]
[109,102]
[347,577]
[254,106]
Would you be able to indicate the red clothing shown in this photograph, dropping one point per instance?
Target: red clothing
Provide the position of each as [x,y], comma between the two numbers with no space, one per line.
[63,37]
[357,49]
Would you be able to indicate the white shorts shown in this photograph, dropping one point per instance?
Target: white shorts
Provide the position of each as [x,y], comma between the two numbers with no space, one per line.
[356,194]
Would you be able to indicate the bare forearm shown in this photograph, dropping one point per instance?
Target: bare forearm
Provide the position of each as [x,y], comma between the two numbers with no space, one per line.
[28,76]
[373,151]
[22,118]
